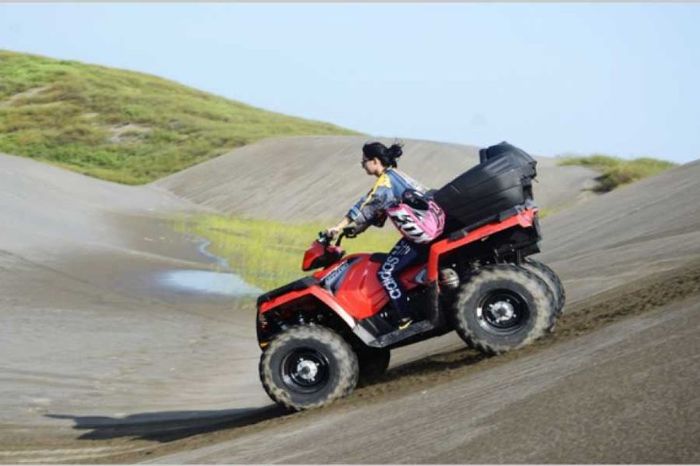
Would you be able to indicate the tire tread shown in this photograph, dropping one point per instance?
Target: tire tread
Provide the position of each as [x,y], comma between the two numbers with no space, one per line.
[509,272]
[348,367]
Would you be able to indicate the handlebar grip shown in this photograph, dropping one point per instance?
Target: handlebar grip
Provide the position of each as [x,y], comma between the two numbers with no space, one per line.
[323,237]
[350,232]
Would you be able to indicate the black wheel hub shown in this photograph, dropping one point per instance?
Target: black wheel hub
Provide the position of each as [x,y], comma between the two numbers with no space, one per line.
[502,312]
[305,370]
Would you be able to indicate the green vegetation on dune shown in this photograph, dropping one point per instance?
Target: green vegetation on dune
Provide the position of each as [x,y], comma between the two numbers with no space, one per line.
[268,254]
[616,171]
[121,125]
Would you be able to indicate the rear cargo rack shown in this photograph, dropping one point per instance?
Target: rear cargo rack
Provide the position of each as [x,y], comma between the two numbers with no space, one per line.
[461,233]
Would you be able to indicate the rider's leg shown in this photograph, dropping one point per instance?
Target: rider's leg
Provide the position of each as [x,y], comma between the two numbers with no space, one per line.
[401,256]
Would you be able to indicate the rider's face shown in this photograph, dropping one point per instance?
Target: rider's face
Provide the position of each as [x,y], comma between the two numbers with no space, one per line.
[371,166]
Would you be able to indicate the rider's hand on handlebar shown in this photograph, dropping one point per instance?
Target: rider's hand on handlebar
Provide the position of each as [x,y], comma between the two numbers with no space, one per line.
[333,232]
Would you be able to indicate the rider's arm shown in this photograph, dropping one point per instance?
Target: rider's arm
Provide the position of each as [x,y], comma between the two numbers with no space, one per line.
[355,210]
[366,211]
[370,209]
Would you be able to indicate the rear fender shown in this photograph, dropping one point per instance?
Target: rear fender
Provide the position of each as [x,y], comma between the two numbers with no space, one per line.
[524,218]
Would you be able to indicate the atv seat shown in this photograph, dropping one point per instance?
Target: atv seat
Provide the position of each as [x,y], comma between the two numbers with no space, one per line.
[378,257]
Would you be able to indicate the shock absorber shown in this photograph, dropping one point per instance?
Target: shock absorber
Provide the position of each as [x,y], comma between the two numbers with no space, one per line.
[449,278]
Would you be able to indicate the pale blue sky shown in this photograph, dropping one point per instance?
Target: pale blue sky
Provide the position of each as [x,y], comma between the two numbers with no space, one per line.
[552,78]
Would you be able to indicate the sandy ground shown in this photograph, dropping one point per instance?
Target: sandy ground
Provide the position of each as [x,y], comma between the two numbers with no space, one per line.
[102,364]
[320,177]
[639,229]
[626,393]
[88,332]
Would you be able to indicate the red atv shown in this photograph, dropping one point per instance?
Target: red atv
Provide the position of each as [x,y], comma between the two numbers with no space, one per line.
[321,334]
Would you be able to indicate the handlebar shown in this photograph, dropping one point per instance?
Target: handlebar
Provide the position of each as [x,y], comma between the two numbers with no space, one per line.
[348,232]
[324,238]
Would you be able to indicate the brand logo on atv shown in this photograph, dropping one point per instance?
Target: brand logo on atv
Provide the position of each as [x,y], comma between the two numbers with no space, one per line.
[388,281]
[333,279]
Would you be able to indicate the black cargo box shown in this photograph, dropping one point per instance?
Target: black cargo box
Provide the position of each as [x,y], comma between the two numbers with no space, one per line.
[501,181]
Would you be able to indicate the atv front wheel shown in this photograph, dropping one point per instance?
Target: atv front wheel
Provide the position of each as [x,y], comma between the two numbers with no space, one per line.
[503,307]
[550,277]
[308,366]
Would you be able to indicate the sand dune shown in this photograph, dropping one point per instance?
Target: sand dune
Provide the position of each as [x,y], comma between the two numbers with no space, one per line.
[649,226]
[608,396]
[306,178]
[94,349]
[88,332]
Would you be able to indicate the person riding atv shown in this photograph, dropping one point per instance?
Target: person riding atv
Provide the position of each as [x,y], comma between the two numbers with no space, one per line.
[468,270]
[383,199]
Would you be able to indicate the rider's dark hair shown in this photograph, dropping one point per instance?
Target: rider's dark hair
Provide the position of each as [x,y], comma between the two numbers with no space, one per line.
[386,155]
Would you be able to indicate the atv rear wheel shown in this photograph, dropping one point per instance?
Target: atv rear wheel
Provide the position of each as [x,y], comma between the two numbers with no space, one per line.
[373,362]
[308,366]
[550,277]
[503,307]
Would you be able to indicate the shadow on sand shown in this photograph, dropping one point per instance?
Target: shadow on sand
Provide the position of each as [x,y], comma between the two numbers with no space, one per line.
[168,426]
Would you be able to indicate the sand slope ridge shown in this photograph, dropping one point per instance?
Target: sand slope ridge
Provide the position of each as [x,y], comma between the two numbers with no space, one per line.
[45,207]
[646,227]
[303,178]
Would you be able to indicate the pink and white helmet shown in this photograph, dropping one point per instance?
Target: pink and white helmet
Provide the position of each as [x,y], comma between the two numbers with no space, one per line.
[421,221]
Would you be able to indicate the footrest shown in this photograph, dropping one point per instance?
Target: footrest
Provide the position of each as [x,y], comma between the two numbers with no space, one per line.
[399,335]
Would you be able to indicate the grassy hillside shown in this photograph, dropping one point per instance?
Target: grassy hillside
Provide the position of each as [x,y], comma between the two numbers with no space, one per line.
[616,171]
[121,125]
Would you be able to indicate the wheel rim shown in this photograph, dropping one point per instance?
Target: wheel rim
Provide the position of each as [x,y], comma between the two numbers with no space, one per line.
[502,312]
[305,370]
